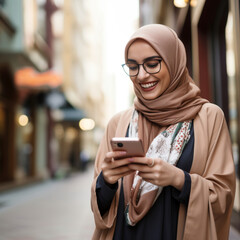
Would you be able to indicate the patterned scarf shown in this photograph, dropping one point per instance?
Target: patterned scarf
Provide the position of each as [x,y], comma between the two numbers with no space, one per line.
[168,146]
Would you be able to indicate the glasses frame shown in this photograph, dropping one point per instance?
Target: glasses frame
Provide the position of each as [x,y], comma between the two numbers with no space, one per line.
[139,64]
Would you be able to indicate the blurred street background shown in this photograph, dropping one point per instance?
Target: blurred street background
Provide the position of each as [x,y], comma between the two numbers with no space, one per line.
[61,81]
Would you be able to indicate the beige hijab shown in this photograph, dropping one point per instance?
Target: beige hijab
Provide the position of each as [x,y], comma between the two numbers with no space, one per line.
[181,101]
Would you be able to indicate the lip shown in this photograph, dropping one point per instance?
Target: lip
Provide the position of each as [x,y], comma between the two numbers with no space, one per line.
[150,88]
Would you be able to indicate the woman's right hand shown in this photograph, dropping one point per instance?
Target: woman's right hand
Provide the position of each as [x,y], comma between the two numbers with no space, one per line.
[113,169]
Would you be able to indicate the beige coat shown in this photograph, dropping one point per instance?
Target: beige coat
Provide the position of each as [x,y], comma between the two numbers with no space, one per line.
[212,175]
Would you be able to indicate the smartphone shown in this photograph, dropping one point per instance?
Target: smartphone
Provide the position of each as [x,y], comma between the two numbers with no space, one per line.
[133,146]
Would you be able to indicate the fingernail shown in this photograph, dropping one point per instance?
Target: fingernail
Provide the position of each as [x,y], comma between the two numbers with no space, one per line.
[122,153]
[131,160]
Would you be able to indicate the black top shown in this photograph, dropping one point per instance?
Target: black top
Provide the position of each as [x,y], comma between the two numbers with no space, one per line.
[161,220]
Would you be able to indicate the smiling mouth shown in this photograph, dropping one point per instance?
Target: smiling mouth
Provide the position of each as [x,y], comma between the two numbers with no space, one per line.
[148,85]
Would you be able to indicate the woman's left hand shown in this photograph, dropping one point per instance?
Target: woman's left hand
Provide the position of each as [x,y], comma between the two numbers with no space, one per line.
[158,172]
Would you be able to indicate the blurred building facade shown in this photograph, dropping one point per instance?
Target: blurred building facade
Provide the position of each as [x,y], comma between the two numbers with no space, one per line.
[36,119]
[210,31]
[90,47]
[21,45]
[80,49]
[57,67]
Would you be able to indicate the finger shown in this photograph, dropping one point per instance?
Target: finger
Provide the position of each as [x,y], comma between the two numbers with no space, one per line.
[140,167]
[112,178]
[108,157]
[115,178]
[142,160]
[120,170]
[147,176]
[115,154]
[116,165]
[127,173]
[123,174]
[119,162]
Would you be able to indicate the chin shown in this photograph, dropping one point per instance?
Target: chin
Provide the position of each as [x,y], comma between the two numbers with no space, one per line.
[150,96]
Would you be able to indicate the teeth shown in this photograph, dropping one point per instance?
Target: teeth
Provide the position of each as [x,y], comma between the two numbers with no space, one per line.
[148,85]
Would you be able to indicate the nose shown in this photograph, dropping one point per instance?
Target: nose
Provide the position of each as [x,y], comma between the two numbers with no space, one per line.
[142,74]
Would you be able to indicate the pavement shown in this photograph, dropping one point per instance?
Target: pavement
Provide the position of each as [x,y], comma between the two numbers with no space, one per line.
[52,210]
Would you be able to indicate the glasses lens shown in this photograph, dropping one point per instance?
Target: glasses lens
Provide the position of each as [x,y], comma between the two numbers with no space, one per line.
[152,66]
[131,69]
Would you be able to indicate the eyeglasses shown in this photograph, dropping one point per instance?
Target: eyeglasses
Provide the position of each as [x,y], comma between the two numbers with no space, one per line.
[150,66]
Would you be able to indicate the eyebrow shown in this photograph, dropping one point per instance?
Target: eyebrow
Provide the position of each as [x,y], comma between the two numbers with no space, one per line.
[144,60]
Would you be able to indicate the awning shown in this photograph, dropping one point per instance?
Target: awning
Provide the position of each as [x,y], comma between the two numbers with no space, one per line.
[29,78]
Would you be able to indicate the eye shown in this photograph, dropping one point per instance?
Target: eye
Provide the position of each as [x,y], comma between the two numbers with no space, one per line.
[132,66]
[151,64]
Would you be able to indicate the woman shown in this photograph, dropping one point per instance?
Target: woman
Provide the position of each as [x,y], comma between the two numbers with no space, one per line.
[184,187]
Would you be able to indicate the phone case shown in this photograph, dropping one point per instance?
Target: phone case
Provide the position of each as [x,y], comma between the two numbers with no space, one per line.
[133,146]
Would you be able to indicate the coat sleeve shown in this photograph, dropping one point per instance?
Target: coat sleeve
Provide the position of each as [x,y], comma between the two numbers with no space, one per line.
[213,178]
[105,194]
[105,224]
[107,220]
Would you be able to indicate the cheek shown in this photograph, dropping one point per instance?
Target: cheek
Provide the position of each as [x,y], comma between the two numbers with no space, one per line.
[134,80]
[164,70]
[166,78]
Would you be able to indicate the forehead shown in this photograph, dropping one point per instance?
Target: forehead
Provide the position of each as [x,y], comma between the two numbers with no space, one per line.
[140,50]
